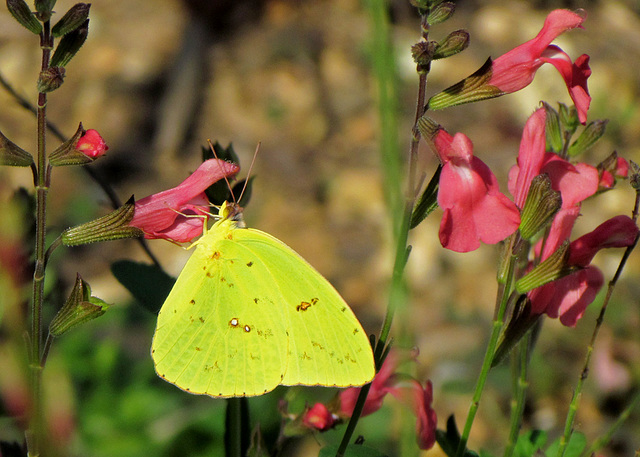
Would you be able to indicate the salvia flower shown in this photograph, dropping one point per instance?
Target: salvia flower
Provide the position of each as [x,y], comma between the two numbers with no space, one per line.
[173,214]
[406,389]
[575,182]
[568,297]
[91,144]
[474,208]
[318,417]
[516,69]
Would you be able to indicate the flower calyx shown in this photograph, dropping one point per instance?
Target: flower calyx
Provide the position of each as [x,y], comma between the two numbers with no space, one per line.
[13,155]
[540,207]
[79,308]
[113,226]
[85,146]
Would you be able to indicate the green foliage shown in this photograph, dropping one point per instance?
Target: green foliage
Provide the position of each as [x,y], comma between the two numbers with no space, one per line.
[577,443]
[148,284]
[529,443]
[450,439]
[353,450]
[428,200]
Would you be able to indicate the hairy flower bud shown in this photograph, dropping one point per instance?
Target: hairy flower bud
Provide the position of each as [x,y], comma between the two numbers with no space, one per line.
[44,8]
[69,45]
[80,307]
[22,13]
[50,79]
[82,148]
[591,133]
[72,19]
[456,42]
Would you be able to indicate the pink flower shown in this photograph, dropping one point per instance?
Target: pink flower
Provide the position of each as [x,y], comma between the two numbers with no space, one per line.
[474,208]
[618,169]
[169,214]
[516,69]
[575,182]
[318,417]
[412,394]
[569,296]
[91,144]
[404,388]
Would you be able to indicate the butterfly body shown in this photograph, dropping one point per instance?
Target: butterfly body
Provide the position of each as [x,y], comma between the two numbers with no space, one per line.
[247,314]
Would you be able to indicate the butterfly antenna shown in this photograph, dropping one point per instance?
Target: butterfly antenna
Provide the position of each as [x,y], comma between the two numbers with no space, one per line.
[223,174]
[246,182]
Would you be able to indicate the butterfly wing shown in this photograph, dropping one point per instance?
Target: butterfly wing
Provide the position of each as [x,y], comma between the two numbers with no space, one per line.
[247,313]
[326,344]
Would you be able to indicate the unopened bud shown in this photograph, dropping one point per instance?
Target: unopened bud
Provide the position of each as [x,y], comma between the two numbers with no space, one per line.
[50,79]
[441,13]
[552,128]
[22,13]
[44,8]
[457,41]
[634,175]
[69,45]
[72,19]
[79,308]
[82,148]
[422,52]
[591,133]
[569,118]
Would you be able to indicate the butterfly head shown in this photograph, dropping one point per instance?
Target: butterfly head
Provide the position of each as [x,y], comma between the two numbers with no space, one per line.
[232,212]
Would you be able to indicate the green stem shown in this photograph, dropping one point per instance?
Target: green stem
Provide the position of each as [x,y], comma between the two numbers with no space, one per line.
[234,427]
[384,67]
[520,393]
[575,400]
[488,357]
[35,434]
[606,438]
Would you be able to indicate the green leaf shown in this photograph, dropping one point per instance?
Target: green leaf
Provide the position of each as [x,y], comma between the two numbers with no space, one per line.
[529,443]
[450,439]
[148,284]
[353,450]
[428,200]
[575,446]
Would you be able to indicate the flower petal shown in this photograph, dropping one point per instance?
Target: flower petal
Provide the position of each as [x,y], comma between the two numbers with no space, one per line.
[161,215]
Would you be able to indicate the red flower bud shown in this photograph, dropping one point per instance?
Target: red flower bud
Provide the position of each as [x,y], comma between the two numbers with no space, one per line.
[91,144]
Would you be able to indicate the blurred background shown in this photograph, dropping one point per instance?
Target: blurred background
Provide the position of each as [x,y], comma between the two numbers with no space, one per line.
[157,78]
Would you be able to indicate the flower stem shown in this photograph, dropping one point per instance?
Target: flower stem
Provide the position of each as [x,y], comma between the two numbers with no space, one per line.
[35,434]
[575,400]
[488,357]
[384,68]
[606,438]
[521,366]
